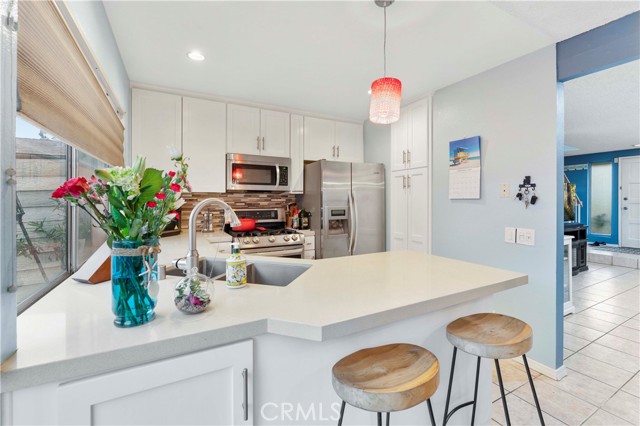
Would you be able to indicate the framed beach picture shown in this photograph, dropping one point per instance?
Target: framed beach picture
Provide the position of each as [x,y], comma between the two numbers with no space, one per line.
[464,169]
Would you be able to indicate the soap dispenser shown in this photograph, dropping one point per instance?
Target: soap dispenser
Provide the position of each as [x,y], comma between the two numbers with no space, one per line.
[236,268]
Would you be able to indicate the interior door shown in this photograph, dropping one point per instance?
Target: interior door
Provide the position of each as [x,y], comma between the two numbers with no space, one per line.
[367,188]
[629,168]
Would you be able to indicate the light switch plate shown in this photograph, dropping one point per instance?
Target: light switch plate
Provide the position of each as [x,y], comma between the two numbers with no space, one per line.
[504,190]
[526,236]
[510,235]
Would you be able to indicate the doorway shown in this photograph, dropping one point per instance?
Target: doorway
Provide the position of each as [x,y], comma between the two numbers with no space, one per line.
[629,171]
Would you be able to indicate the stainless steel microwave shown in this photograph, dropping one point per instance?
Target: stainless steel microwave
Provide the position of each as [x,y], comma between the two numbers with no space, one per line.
[257,173]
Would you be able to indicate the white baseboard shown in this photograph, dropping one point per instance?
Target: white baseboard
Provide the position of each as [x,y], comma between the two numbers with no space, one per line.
[556,374]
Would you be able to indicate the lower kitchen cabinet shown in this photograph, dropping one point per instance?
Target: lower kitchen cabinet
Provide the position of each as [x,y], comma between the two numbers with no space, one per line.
[211,387]
[409,214]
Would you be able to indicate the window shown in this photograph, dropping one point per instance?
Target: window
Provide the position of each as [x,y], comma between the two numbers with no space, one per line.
[52,238]
[600,200]
[42,164]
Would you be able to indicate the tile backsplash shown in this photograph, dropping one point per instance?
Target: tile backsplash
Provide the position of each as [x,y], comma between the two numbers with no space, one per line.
[237,200]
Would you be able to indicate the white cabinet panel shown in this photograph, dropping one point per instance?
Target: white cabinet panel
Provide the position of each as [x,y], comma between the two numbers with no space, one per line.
[274,133]
[297,154]
[319,139]
[156,125]
[349,142]
[410,137]
[203,142]
[409,216]
[243,129]
[399,140]
[201,388]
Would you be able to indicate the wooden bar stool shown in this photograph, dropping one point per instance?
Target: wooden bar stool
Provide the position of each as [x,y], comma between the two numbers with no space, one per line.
[387,378]
[490,336]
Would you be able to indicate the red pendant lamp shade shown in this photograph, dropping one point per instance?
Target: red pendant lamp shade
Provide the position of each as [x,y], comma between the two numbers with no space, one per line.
[385,100]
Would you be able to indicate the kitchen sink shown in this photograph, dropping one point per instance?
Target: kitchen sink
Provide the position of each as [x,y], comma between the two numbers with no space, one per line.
[261,272]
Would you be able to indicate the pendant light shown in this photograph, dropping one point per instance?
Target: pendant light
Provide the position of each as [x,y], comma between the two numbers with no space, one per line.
[386,91]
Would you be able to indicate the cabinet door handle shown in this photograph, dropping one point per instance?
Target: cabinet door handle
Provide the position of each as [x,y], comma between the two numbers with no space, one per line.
[334,152]
[263,143]
[404,182]
[258,145]
[245,393]
[408,181]
[408,157]
[338,150]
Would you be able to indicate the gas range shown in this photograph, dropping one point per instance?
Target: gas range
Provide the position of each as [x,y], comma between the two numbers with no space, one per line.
[271,237]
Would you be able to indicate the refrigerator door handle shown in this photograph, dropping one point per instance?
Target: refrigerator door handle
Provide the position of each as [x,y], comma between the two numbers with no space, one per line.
[355,224]
[352,223]
[277,175]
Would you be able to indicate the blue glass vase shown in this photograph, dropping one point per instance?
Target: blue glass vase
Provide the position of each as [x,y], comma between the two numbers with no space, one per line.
[132,270]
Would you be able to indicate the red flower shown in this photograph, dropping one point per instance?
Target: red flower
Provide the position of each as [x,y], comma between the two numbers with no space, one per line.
[151,204]
[59,193]
[175,187]
[161,195]
[76,186]
[175,214]
[171,174]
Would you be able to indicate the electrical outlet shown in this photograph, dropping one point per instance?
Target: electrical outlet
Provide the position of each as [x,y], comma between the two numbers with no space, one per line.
[504,190]
[510,235]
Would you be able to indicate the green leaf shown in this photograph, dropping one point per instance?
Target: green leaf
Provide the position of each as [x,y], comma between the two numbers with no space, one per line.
[138,165]
[104,175]
[149,186]
[135,229]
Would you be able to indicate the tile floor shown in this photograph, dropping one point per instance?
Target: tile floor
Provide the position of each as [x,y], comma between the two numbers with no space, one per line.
[602,356]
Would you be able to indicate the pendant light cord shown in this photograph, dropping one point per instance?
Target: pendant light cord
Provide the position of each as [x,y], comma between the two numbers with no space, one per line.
[384,44]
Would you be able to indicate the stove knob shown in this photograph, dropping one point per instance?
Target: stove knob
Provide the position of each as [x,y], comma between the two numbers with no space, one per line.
[294,237]
[272,239]
[256,240]
[286,238]
[246,240]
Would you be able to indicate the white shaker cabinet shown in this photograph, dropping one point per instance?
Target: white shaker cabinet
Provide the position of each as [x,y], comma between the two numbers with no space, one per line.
[258,132]
[409,216]
[333,140]
[203,136]
[297,155]
[156,124]
[195,127]
[211,387]
[410,137]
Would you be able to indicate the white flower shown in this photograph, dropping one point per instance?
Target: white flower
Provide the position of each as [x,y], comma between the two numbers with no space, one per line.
[174,153]
[178,203]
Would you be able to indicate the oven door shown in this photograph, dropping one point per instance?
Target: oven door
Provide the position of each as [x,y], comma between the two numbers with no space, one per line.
[291,252]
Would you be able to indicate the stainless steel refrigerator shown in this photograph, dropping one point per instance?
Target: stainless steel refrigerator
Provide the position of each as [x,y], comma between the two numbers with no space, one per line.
[347,206]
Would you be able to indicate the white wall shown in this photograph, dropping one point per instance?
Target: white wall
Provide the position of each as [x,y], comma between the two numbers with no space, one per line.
[92,20]
[513,109]
[377,139]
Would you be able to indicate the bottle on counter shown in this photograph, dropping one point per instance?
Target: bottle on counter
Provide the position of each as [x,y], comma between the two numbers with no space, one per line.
[236,268]
[304,219]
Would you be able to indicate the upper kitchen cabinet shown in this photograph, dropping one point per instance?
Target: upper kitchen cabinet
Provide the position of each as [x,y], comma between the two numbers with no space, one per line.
[332,140]
[196,127]
[156,125]
[410,137]
[257,131]
[203,134]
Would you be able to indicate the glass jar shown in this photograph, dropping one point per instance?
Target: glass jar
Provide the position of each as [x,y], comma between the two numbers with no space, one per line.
[192,293]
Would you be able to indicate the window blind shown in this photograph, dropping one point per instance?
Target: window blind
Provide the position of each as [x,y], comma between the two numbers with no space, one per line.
[57,88]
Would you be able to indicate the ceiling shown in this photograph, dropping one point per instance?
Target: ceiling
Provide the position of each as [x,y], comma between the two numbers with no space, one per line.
[321,56]
[602,110]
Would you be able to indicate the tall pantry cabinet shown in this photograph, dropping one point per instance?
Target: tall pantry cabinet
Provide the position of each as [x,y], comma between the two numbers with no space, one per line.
[410,178]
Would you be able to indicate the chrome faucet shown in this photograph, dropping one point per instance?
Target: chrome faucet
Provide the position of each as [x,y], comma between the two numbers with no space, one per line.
[192,255]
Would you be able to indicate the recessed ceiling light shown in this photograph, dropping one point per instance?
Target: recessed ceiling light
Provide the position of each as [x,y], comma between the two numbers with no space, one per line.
[194,55]
[636,145]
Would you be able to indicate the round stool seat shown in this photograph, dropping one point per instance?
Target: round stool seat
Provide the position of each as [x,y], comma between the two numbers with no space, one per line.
[491,336]
[386,378]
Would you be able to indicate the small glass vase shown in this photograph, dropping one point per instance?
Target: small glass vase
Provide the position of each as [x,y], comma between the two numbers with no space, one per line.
[132,271]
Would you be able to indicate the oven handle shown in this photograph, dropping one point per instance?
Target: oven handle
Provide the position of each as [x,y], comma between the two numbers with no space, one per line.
[277,176]
[278,253]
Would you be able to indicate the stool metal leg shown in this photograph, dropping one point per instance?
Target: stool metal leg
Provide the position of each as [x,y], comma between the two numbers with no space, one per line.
[433,419]
[533,389]
[504,398]
[388,415]
[341,413]
[379,419]
[446,406]
[475,393]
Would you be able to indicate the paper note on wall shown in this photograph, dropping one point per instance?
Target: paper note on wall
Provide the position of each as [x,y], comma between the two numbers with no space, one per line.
[464,169]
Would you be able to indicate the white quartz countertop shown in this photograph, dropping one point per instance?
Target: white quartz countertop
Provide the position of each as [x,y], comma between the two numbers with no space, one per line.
[70,333]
